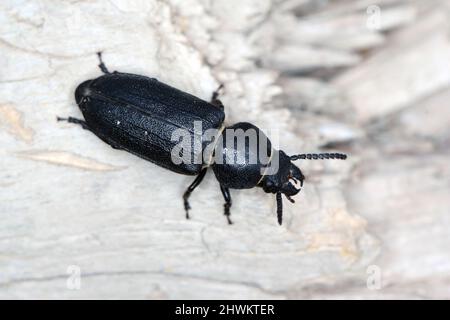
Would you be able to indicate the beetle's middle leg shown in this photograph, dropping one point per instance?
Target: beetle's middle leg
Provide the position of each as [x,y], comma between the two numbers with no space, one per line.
[214,97]
[82,123]
[228,202]
[191,188]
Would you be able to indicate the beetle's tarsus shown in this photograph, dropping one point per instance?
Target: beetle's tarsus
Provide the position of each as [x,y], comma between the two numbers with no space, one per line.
[279,208]
[191,188]
[187,207]
[102,65]
[214,97]
[227,196]
[216,93]
[227,213]
[82,123]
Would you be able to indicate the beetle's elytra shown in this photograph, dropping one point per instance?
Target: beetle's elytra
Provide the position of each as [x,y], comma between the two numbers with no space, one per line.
[140,115]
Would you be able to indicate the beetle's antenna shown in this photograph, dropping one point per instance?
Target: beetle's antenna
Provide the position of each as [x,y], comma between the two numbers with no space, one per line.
[316,156]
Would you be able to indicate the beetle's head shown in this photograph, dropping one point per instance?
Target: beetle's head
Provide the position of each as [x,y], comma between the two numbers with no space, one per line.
[288,179]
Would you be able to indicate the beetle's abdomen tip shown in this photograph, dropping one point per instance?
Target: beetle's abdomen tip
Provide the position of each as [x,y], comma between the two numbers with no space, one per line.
[82,91]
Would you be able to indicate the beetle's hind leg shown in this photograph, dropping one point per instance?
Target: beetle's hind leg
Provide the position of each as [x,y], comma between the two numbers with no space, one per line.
[82,123]
[102,65]
[214,98]
[228,202]
[191,188]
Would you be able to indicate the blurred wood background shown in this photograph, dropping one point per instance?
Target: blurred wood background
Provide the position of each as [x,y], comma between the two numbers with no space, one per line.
[368,78]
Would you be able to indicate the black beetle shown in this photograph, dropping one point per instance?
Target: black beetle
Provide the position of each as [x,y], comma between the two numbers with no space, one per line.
[139,115]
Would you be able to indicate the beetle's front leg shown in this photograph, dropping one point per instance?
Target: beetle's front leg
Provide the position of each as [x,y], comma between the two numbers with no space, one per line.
[214,97]
[191,188]
[279,208]
[82,123]
[228,202]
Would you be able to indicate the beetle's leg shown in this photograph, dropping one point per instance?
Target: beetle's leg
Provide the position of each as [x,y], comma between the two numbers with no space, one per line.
[214,97]
[216,93]
[191,188]
[279,208]
[228,202]
[82,123]
[102,65]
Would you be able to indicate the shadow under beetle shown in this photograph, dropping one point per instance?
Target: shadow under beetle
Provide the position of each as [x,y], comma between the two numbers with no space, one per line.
[139,114]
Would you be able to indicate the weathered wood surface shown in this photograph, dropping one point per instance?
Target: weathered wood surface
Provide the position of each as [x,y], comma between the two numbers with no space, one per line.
[317,70]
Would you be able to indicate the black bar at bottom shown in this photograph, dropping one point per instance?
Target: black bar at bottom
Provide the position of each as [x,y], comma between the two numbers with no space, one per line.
[222,309]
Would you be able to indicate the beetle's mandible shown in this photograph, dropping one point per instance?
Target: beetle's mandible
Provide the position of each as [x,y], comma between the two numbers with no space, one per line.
[140,114]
